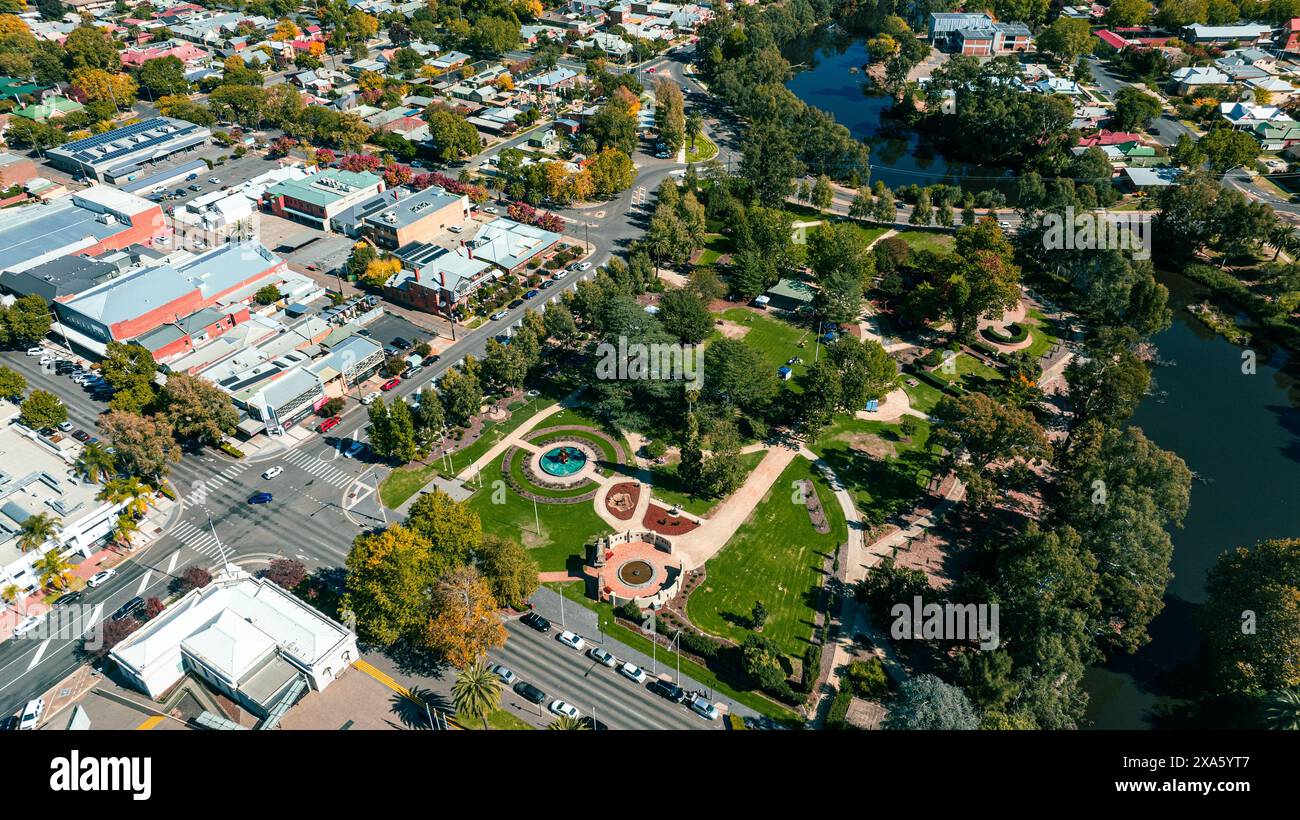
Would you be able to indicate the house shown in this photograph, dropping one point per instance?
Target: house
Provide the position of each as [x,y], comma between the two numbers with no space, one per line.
[1288,38]
[50,108]
[977,35]
[1057,85]
[611,44]
[1142,179]
[1104,137]
[449,61]
[436,279]
[1189,78]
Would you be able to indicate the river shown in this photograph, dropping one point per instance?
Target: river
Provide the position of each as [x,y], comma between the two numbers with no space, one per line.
[1239,433]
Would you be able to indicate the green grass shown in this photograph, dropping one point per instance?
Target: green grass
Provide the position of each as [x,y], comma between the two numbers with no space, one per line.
[1042,333]
[668,488]
[924,240]
[704,149]
[777,340]
[970,372]
[922,396]
[775,557]
[882,484]
[405,482]
[708,256]
[667,658]
[868,235]
[565,528]
[498,719]
[517,473]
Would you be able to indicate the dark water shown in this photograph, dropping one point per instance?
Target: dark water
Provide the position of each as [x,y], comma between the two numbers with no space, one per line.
[899,156]
[1241,435]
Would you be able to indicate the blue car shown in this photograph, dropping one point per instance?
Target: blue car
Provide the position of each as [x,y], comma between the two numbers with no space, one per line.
[530,294]
[259,498]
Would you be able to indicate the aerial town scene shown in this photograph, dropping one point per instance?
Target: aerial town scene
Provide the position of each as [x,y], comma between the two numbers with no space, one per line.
[501,365]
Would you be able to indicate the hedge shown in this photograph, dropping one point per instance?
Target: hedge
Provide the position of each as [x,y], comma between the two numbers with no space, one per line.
[812,665]
[936,382]
[1018,333]
[230,450]
[839,710]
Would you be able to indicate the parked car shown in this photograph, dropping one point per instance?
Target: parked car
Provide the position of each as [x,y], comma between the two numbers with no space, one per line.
[27,625]
[35,351]
[129,608]
[571,639]
[32,713]
[1006,226]
[516,303]
[261,498]
[702,707]
[581,266]
[536,622]
[632,672]
[559,707]
[528,692]
[663,155]
[67,598]
[214,180]
[100,577]
[530,294]
[195,187]
[82,436]
[273,472]
[455,229]
[507,677]
[328,424]
[65,426]
[412,370]
[667,689]
[9,723]
[546,283]
[498,316]
[191,177]
[491,209]
[369,398]
[559,274]
[390,384]
[602,656]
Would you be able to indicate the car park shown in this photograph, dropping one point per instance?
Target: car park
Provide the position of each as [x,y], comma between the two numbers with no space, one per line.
[390,384]
[507,677]
[668,690]
[260,498]
[32,714]
[632,672]
[563,709]
[27,625]
[273,472]
[528,692]
[328,424]
[100,577]
[571,639]
[129,608]
[401,344]
[536,622]
[602,656]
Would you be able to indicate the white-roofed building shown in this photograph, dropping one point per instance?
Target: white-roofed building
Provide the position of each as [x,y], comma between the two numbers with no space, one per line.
[509,244]
[246,637]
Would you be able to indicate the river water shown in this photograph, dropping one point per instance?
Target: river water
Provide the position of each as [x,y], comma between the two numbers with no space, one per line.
[1239,433]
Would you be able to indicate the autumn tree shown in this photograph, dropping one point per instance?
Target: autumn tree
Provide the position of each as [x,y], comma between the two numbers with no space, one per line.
[145,445]
[197,409]
[389,577]
[464,624]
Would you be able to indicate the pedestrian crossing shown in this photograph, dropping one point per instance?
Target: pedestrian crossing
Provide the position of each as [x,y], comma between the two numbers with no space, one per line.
[319,469]
[202,488]
[200,539]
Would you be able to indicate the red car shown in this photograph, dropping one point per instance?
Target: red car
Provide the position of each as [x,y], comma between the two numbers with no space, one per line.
[391,383]
[328,424]
[650,70]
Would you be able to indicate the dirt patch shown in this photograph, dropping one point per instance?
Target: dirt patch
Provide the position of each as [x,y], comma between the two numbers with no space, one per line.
[814,505]
[730,329]
[532,539]
[658,519]
[870,443]
[621,500]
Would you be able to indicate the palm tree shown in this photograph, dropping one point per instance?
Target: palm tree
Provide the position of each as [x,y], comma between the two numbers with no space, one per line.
[127,526]
[476,692]
[1282,711]
[131,491]
[568,724]
[97,462]
[12,595]
[1282,238]
[694,125]
[36,530]
[55,571]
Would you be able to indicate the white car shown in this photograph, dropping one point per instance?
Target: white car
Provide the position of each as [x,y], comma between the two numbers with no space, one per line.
[559,274]
[498,316]
[27,625]
[65,426]
[507,677]
[369,398]
[35,351]
[456,229]
[1006,226]
[602,657]
[32,713]
[273,472]
[702,707]
[214,180]
[100,577]
[491,209]
[632,672]
[571,639]
[559,707]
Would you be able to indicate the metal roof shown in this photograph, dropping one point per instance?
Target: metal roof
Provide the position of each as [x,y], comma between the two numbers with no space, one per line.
[112,147]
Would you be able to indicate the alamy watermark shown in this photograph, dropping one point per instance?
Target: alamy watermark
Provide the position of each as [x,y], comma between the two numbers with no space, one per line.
[1098,231]
[658,361]
[948,622]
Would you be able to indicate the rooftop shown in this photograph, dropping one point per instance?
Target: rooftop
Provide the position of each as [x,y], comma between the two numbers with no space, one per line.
[324,188]
[409,210]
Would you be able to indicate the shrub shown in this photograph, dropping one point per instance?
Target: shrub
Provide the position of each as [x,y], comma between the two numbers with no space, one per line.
[630,611]
[195,578]
[812,664]
[867,679]
[656,448]
[1016,333]
[287,572]
[839,709]
[230,450]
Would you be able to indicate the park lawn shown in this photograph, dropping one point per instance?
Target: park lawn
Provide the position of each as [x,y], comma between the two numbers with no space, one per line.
[580,417]
[868,235]
[971,373]
[882,483]
[922,396]
[517,473]
[775,557]
[668,488]
[704,149]
[778,341]
[498,719]
[925,240]
[576,592]
[1042,333]
[565,528]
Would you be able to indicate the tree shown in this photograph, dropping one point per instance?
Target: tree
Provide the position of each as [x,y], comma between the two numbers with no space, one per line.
[925,702]
[51,10]
[465,623]
[866,371]
[462,396]
[451,527]
[751,274]
[670,113]
[89,46]
[1067,38]
[822,195]
[195,578]
[144,445]
[164,76]
[126,366]
[685,315]
[1256,653]
[769,164]
[758,615]
[1134,109]
[1128,13]
[124,529]
[389,575]
[99,85]
[984,441]
[267,295]
[694,126]
[289,573]
[1226,148]
[54,570]
[128,491]
[96,462]
[564,723]
[197,409]
[43,409]
[1282,710]
[12,383]
[36,529]
[452,136]
[611,171]
[111,633]
[26,321]
[476,692]
[493,36]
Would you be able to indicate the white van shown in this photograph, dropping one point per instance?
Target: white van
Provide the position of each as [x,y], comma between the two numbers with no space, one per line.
[32,713]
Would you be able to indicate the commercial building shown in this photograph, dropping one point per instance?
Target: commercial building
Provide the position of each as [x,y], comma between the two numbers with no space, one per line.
[246,637]
[510,245]
[64,277]
[88,222]
[123,152]
[1248,34]
[434,279]
[977,35]
[15,170]
[38,476]
[416,218]
[142,300]
[315,200]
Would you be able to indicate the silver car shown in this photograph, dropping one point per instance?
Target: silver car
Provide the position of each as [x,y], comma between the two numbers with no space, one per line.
[602,657]
[507,677]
